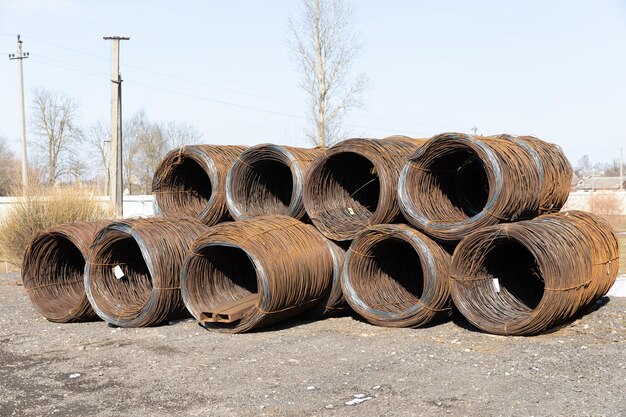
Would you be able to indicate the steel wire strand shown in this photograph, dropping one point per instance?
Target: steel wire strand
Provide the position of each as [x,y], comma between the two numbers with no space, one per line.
[353,185]
[555,169]
[333,304]
[523,278]
[149,252]
[53,268]
[287,264]
[396,276]
[268,179]
[604,251]
[190,182]
[458,183]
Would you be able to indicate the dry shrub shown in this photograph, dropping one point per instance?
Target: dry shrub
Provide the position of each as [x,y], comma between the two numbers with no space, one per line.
[41,208]
[606,205]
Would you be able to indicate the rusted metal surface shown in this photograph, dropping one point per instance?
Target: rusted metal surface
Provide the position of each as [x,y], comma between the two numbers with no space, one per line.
[353,184]
[554,168]
[53,270]
[523,278]
[190,182]
[132,277]
[268,179]
[231,312]
[333,304]
[285,262]
[396,276]
[458,183]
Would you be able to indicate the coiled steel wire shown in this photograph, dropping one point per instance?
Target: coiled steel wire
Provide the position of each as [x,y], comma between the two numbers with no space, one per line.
[396,276]
[523,278]
[553,167]
[149,253]
[268,179]
[458,183]
[353,184]
[285,262]
[53,269]
[333,303]
[190,181]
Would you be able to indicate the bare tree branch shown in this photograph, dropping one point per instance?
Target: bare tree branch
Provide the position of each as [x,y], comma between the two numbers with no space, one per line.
[9,168]
[326,47]
[56,128]
[146,143]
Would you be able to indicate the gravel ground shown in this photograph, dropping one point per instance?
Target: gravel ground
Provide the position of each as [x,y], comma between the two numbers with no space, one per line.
[308,368]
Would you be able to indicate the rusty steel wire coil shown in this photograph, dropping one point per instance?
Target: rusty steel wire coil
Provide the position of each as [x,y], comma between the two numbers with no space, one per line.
[132,277]
[53,269]
[553,167]
[353,185]
[458,183]
[190,181]
[396,276]
[523,278]
[264,269]
[333,303]
[268,179]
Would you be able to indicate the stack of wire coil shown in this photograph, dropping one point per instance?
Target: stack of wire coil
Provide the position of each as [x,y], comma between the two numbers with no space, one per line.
[132,277]
[523,278]
[190,182]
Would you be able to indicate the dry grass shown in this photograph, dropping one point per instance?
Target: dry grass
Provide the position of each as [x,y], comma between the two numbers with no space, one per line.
[605,204]
[41,208]
[622,254]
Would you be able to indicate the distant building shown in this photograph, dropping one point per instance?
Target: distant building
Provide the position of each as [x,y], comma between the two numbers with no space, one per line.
[597,183]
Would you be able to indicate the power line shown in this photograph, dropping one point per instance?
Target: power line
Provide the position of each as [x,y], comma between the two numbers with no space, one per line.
[195,96]
[88,71]
[189,80]
[73,65]
[230,90]
[226,103]
[153,87]
[66,48]
[176,77]
[93,74]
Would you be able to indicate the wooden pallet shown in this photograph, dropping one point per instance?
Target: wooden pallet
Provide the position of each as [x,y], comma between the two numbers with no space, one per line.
[230,312]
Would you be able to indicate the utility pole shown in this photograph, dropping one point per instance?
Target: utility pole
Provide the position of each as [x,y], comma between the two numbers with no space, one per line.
[20,56]
[115,155]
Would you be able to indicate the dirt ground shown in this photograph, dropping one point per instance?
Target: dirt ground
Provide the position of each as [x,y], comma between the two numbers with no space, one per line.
[335,367]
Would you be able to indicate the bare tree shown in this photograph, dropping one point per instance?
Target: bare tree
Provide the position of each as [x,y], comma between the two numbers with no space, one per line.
[146,143]
[326,47]
[179,134]
[152,148]
[98,139]
[132,130]
[9,168]
[55,125]
[584,165]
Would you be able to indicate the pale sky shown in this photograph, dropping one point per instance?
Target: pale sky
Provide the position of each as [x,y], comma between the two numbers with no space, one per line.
[554,69]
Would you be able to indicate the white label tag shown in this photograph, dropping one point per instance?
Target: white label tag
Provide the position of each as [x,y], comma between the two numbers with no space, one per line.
[496,284]
[117,270]
[350,211]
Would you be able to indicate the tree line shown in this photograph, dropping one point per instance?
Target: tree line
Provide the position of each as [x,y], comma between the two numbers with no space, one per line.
[324,44]
[61,150]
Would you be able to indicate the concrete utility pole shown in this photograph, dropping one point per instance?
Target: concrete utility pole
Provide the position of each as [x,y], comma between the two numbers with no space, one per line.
[20,57]
[115,155]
